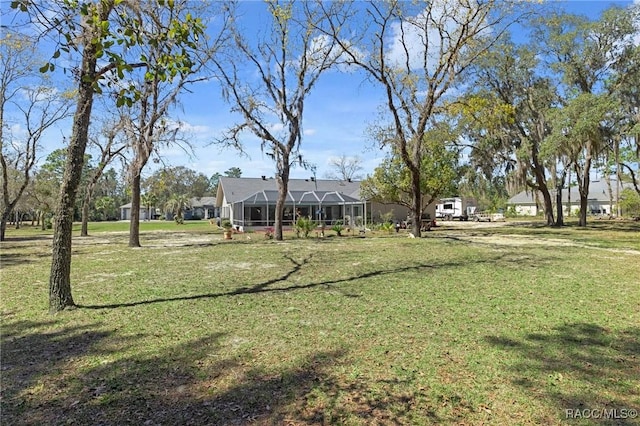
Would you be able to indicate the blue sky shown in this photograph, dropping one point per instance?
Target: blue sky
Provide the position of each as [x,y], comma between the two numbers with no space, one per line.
[337,113]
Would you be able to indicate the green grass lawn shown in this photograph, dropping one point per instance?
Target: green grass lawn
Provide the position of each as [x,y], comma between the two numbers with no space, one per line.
[510,324]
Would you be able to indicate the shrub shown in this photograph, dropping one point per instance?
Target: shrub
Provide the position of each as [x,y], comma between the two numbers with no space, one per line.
[387,217]
[630,202]
[304,226]
[226,224]
[338,228]
[387,226]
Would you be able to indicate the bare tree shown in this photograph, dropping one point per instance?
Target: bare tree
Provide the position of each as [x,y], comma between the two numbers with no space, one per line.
[416,52]
[146,122]
[289,59]
[345,168]
[36,108]
[111,146]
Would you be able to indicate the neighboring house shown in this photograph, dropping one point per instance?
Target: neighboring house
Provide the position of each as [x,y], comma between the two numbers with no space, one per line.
[601,200]
[145,213]
[251,202]
[201,208]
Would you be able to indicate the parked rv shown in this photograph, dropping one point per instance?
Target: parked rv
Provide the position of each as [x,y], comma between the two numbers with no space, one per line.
[459,208]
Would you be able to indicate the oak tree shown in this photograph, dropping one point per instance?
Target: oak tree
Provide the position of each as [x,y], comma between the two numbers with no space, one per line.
[288,59]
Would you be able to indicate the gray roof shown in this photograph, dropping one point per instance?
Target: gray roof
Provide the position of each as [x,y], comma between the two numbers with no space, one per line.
[195,202]
[598,190]
[239,189]
[298,197]
[203,201]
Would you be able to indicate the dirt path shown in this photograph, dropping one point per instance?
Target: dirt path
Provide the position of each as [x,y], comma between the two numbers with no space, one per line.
[464,231]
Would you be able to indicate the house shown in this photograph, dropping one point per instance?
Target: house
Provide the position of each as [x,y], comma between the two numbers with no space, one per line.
[251,202]
[145,213]
[601,199]
[200,208]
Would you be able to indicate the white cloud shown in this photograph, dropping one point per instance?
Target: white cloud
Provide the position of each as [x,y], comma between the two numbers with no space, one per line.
[17,131]
[418,40]
[194,128]
[321,47]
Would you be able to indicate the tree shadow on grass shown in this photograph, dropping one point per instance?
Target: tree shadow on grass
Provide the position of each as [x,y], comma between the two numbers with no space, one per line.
[194,383]
[269,286]
[579,367]
[31,351]
[17,259]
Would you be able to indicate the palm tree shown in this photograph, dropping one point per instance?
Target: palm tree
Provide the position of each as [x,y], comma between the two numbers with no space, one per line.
[177,204]
[149,200]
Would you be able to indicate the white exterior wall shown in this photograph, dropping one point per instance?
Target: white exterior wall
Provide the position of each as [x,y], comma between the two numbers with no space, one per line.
[526,210]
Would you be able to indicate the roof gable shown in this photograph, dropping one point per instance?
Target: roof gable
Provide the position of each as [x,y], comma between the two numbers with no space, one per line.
[239,189]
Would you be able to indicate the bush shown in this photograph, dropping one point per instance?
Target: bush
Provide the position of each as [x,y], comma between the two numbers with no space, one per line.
[387,217]
[338,228]
[630,202]
[387,226]
[226,224]
[304,226]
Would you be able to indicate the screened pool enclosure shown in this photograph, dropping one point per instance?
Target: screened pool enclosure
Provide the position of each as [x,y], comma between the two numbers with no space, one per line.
[323,207]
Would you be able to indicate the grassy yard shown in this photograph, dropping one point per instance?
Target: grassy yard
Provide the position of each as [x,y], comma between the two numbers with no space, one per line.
[508,324]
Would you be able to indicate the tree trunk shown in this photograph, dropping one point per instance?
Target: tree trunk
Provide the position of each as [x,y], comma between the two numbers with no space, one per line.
[60,282]
[134,223]
[416,204]
[541,182]
[3,226]
[282,180]
[60,277]
[583,190]
[548,206]
[569,194]
[582,220]
[559,216]
[559,189]
[584,180]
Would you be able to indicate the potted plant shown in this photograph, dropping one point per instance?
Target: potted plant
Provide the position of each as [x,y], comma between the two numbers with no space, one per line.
[228,229]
